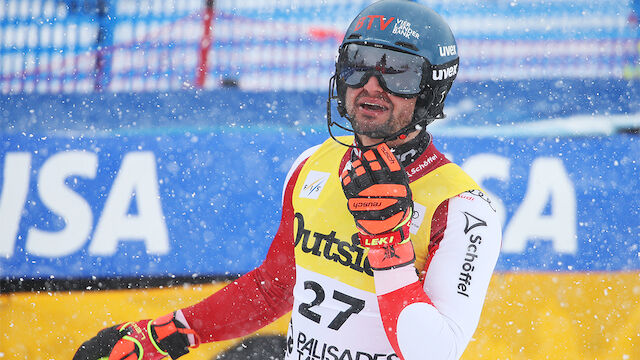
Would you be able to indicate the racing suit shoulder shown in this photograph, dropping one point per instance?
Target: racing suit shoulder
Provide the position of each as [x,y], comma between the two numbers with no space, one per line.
[296,164]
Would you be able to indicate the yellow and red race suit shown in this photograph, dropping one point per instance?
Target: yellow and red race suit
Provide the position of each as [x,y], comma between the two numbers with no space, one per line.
[341,309]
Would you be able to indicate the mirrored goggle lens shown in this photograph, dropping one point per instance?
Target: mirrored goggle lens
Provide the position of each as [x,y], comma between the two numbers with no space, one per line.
[401,73]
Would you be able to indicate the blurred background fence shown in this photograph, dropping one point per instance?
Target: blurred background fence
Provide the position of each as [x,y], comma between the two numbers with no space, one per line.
[80,46]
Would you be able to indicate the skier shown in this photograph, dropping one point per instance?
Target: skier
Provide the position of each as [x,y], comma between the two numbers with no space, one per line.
[385,248]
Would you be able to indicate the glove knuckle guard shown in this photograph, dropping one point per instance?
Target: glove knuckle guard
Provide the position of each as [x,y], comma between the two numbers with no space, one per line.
[100,345]
[169,335]
[140,340]
[126,349]
[380,200]
[377,189]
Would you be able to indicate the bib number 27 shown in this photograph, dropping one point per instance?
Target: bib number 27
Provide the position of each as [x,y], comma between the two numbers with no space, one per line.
[355,305]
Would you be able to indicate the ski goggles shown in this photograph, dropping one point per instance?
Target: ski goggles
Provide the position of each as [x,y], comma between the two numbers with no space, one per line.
[398,73]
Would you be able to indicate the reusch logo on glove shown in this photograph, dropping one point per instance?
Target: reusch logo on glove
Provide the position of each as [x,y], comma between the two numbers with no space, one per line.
[389,158]
[370,204]
[313,184]
[367,203]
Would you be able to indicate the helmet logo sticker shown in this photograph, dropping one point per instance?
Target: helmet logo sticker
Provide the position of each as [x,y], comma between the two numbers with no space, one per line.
[448,50]
[383,23]
[403,27]
[442,74]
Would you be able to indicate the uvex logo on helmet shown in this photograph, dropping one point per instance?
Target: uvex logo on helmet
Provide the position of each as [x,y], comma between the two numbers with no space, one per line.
[384,22]
[442,74]
[449,50]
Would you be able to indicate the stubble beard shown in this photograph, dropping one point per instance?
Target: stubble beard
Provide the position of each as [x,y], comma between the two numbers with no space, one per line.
[365,125]
[376,131]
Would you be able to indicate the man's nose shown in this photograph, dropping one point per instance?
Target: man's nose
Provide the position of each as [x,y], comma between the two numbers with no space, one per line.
[373,85]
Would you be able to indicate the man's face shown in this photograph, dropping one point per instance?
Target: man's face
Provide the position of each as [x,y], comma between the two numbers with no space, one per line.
[375,112]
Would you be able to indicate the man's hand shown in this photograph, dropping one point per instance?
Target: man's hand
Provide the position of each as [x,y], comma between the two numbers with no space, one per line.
[142,340]
[379,198]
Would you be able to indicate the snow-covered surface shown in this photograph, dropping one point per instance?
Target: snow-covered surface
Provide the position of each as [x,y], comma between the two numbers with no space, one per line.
[576,125]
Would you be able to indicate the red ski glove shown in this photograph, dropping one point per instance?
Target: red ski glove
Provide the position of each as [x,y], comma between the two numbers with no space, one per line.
[142,340]
[379,198]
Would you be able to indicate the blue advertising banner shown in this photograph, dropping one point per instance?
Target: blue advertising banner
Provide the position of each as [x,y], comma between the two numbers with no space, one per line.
[207,202]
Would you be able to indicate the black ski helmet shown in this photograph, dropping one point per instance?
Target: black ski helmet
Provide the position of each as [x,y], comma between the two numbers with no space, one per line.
[411,28]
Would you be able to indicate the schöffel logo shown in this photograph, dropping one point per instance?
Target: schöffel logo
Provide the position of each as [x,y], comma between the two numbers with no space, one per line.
[464,280]
[314,184]
[423,165]
[442,74]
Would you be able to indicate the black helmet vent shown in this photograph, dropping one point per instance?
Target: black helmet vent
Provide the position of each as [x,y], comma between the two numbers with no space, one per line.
[354,36]
[407,45]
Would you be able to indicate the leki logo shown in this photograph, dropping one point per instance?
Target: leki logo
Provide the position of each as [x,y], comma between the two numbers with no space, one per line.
[313,184]
[384,22]
[380,241]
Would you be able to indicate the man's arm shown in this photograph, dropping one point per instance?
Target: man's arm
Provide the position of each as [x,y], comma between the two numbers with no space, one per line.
[260,296]
[252,301]
[247,304]
[438,319]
